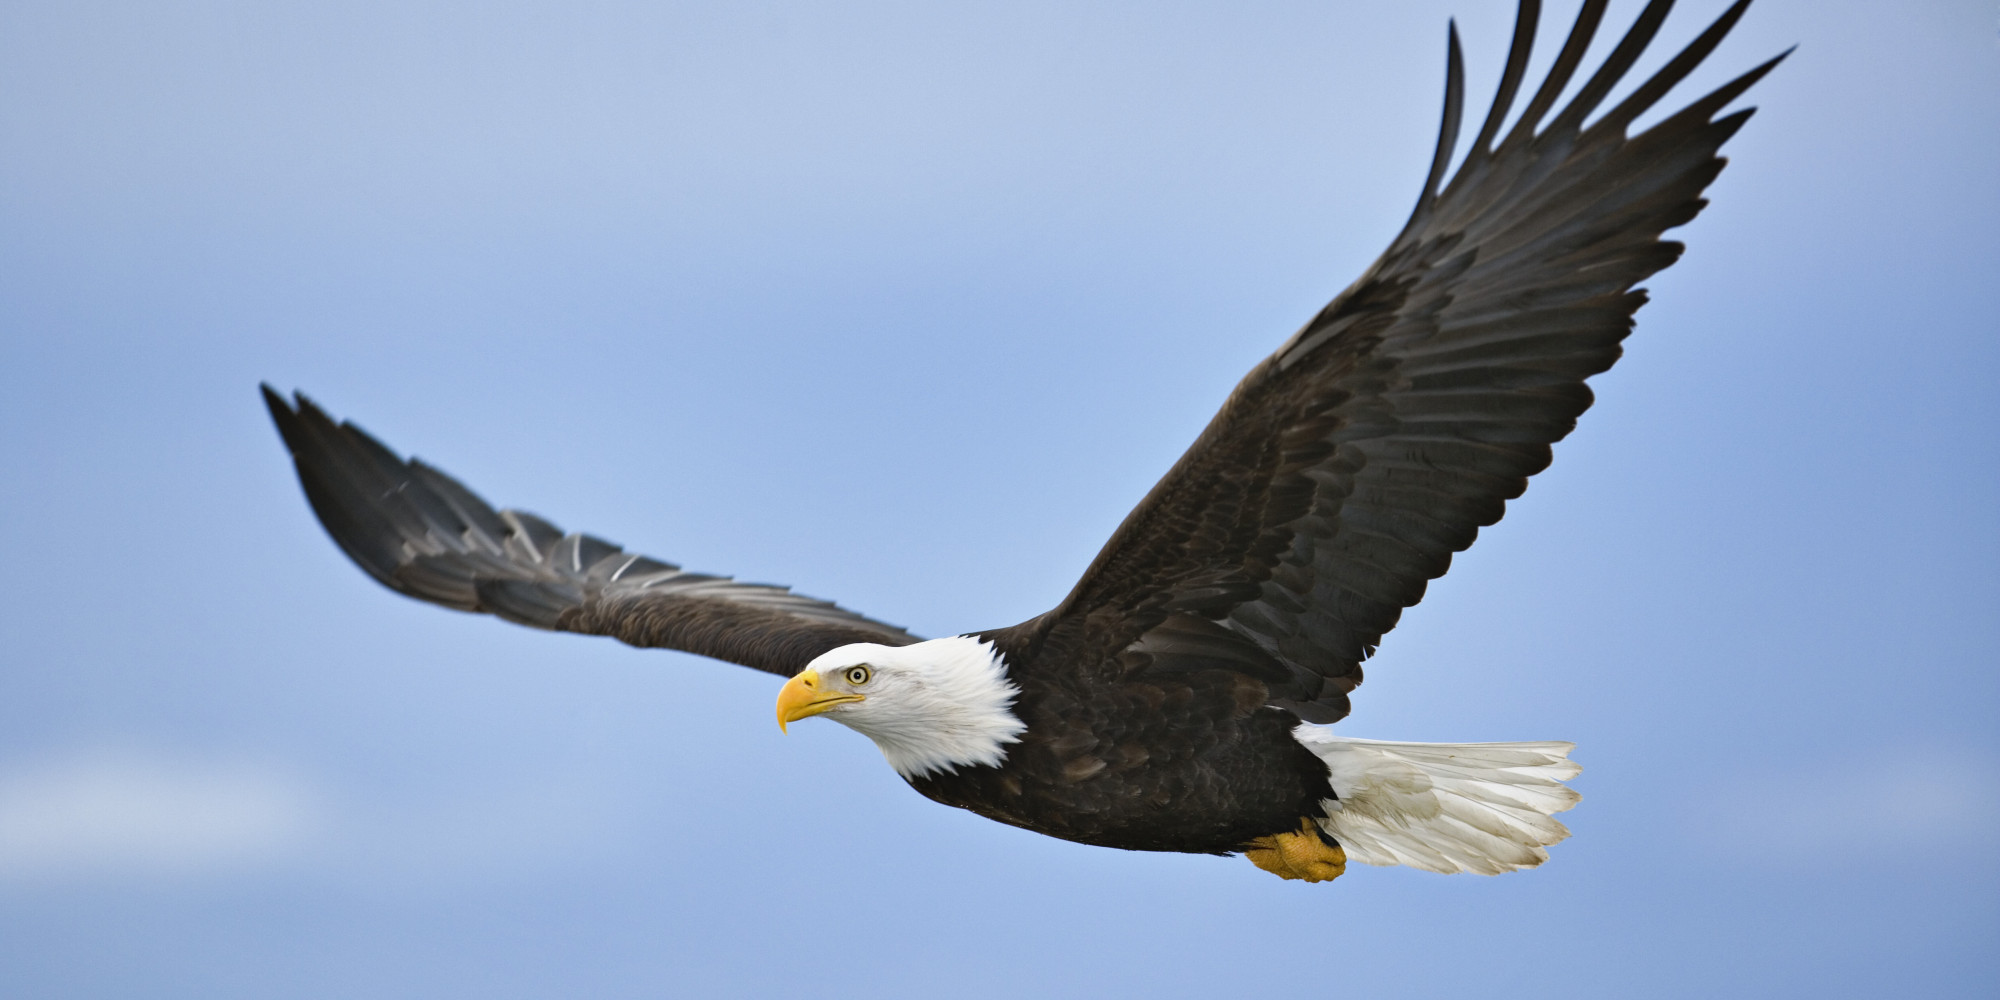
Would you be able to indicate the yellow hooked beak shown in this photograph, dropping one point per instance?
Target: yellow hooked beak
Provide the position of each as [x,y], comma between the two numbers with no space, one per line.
[802,698]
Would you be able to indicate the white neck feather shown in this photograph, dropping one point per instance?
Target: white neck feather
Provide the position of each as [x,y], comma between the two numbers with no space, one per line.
[937,705]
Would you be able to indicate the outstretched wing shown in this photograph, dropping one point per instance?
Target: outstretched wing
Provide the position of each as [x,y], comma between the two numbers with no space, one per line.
[1345,469]
[420,533]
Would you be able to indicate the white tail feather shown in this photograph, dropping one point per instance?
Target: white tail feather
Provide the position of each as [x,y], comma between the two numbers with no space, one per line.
[1445,807]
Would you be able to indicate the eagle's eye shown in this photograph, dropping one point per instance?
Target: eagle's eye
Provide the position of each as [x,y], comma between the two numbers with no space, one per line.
[858,675]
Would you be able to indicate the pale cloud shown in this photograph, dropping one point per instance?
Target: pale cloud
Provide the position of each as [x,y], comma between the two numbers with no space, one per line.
[103,814]
[1934,807]
[125,816]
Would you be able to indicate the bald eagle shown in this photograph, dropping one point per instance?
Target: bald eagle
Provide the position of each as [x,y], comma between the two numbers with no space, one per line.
[1179,698]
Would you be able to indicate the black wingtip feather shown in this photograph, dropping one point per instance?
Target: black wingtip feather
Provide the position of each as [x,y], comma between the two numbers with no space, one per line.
[1454,109]
[282,415]
[1580,34]
[1674,71]
[1715,100]
[1616,65]
[1527,19]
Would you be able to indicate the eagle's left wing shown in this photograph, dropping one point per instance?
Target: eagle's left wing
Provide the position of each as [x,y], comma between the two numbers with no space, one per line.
[421,533]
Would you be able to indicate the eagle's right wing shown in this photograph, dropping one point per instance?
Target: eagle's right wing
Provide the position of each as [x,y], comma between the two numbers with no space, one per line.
[1347,468]
[423,534]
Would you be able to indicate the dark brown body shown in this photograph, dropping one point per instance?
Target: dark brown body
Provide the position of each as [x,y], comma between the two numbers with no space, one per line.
[1159,760]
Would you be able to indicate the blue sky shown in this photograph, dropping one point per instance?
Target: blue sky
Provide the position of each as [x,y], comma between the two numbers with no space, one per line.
[906,305]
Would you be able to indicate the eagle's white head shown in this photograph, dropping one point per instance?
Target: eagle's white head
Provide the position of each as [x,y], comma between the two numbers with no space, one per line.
[932,706]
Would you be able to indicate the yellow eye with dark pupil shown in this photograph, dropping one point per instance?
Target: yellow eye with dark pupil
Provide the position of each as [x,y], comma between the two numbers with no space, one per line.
[857,675]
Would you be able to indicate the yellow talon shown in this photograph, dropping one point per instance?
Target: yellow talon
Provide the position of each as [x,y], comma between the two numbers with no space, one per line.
[1303,855]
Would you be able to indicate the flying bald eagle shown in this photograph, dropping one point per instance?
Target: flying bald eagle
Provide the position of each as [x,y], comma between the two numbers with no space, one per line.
[1178,699]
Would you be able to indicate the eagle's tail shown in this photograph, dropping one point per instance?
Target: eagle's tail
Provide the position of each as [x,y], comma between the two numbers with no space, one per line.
[1445,807]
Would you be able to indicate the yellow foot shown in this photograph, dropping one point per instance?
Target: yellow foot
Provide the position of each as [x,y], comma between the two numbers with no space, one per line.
[1306,854]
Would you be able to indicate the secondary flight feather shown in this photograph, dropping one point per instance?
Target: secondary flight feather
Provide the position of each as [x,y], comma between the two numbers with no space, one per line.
[1179,698]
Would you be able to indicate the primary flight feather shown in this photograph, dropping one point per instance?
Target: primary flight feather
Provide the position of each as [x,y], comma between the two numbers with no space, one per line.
[1178,698]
